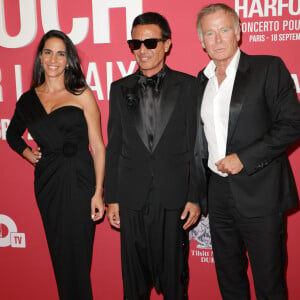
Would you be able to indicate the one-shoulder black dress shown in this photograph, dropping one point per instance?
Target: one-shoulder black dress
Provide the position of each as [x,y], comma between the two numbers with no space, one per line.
[64,185]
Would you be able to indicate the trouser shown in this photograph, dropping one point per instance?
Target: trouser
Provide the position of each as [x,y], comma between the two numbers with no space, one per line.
[233,234]
[154,252]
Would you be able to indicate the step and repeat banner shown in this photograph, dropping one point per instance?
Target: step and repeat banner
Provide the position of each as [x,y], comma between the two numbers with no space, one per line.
[100,28]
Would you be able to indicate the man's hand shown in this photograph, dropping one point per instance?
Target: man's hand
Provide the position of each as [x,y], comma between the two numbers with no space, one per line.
[193,211]
[230,164]
[113,215]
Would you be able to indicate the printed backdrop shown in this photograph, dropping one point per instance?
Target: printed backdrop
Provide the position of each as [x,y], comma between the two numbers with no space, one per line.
[100,28]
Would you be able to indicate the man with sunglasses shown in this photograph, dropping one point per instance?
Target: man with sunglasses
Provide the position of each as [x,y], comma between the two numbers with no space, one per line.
[150,182]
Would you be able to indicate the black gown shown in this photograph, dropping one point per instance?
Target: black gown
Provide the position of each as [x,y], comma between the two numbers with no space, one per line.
[64,185]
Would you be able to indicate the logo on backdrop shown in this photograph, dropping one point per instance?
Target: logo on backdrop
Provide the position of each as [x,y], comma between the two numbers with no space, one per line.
[49,14]
[200,241]
[270,21]
[9,235]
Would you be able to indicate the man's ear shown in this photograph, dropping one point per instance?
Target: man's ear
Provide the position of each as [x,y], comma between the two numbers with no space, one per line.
[167,45]
[238,34]
[202,43]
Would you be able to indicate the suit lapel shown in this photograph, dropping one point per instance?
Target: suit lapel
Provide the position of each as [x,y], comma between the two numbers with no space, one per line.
[169,94]
[238,95]
[201,144]
[202,82]
[130,89]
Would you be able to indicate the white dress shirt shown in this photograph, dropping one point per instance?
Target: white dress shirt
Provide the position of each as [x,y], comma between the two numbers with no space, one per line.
[215,111]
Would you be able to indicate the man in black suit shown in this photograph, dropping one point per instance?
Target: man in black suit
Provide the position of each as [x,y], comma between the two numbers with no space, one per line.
[150,185]
[250,114]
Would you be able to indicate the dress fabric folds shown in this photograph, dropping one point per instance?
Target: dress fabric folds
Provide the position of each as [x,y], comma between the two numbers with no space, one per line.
[64,185]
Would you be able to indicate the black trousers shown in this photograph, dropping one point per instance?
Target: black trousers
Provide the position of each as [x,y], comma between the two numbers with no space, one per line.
[232,235]
[154,252]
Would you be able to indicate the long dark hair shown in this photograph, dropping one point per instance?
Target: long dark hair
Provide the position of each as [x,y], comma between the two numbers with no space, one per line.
[74,78]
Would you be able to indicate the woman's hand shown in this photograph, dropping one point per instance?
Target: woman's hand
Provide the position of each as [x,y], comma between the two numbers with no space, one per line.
[32,156]
[97,205]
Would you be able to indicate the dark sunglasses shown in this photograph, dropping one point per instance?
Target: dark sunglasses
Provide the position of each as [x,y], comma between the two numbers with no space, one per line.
[149,43]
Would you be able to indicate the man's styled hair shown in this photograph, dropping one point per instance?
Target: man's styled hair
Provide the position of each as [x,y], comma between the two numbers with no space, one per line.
[156,19]
[212,8]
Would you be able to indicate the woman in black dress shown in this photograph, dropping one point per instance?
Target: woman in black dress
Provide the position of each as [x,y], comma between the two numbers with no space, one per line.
[62,116]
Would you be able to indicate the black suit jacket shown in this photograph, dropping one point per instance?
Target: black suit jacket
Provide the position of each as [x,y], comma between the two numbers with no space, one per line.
[168,170]
[264,120]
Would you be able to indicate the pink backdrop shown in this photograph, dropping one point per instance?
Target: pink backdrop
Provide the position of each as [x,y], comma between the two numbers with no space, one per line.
[100,28]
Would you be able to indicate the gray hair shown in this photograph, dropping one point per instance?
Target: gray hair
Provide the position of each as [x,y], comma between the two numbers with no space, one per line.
[212,8]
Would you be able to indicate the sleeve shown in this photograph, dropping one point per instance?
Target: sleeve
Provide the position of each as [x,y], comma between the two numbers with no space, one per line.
[285,113]
[114,147]
[15,131]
